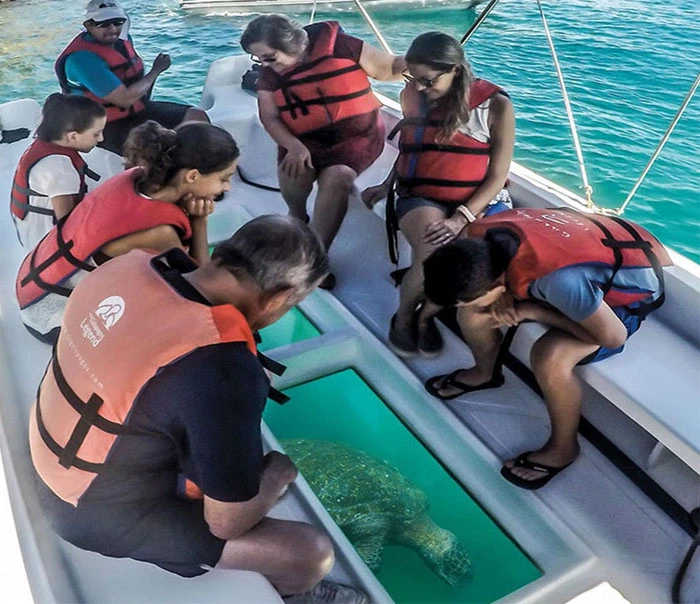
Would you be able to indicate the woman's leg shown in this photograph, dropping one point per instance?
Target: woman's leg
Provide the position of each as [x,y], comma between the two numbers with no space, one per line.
[295,192]
[334,186]
[412,226]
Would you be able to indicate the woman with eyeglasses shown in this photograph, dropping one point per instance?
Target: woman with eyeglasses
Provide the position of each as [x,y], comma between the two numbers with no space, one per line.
[455,150]
[102,64]
[315,100]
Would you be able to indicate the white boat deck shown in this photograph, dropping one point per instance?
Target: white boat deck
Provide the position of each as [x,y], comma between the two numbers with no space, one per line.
[625,539]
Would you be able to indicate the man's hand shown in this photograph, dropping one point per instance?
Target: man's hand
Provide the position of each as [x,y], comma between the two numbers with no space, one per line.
[161,63]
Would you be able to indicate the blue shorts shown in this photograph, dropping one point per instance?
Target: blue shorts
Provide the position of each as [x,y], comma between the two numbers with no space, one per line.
[631,321]
[405,204]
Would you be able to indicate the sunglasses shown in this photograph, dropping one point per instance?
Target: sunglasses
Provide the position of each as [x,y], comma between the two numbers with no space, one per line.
[108,22]
[263,60]
[422,81]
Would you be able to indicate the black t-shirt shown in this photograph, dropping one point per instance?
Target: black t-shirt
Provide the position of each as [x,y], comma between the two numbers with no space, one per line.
[199,416]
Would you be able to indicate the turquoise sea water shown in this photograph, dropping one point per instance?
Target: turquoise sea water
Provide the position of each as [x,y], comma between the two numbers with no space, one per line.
[628,65]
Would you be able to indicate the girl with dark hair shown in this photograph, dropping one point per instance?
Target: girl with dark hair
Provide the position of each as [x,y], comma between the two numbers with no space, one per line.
[160,204]
[456,146]
[316,102]
[50,177]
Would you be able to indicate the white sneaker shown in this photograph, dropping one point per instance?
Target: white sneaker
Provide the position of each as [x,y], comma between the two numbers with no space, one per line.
[327,592]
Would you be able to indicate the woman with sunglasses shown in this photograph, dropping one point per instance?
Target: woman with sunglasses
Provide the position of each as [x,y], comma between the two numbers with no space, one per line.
[456,146]
[102,64]
[316,102]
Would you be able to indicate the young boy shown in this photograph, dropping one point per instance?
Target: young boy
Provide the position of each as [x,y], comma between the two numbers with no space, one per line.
[592,279]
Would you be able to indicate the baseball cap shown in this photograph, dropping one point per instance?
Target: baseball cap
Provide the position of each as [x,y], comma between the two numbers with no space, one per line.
[102,10]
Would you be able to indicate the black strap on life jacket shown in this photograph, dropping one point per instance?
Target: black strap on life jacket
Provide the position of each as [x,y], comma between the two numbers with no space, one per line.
[277,369]
[437,182]
[63,251]
[637,243]
[27,207]
[89,417]
[391,221]
[294,101]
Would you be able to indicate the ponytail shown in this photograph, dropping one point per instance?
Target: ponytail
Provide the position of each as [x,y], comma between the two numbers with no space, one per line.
[162,152]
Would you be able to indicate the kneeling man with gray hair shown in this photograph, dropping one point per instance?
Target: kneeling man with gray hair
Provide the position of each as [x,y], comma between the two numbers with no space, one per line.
[146,429]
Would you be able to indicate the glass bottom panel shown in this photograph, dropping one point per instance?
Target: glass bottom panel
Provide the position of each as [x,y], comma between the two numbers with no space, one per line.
[387,503]
[292,327]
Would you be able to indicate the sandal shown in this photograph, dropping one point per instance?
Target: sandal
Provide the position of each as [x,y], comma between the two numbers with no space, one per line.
[450,380]
[521,461]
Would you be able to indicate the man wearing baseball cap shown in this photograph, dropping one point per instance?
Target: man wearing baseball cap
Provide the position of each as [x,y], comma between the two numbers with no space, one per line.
[101,63]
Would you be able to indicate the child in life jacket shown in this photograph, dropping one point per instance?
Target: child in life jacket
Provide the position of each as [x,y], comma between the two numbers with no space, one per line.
[50,177]
[316,102]
[455,150]
[160,204]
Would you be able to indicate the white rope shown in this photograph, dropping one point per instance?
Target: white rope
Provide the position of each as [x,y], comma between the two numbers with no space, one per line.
[313,12]
[577,145]
[661,144]
[383,43]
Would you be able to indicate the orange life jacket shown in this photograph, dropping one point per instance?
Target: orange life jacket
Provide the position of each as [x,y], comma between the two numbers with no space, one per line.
[325,89]
[554,239]
[448,172]
[121,327]
[123,62]
[112,211]
[38,150]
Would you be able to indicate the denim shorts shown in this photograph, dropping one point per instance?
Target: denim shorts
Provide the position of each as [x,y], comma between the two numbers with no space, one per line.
[404,205]
[630,320]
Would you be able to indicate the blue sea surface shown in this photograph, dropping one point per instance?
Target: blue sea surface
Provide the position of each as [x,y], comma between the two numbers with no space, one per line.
[628,65]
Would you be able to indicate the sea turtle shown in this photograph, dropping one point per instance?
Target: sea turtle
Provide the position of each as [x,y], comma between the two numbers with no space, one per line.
[374,505]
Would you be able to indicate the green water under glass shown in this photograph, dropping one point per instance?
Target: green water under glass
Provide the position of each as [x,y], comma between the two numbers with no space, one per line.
[342,407]
[292,327]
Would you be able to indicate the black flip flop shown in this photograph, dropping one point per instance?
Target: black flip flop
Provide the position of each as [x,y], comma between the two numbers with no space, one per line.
[521,461]
[450,380]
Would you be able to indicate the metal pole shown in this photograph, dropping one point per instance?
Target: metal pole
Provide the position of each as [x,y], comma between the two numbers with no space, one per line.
[482,15]
[570,114]
[313,12]
[661,144]
[373,27]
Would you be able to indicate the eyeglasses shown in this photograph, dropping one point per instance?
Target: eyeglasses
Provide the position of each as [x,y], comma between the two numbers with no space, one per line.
[422,81]
[263,60]
[108,22]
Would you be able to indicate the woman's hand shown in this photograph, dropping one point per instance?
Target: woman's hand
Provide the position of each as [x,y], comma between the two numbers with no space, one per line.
[373,195]
[296,161]
[197,207]
[445,230]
